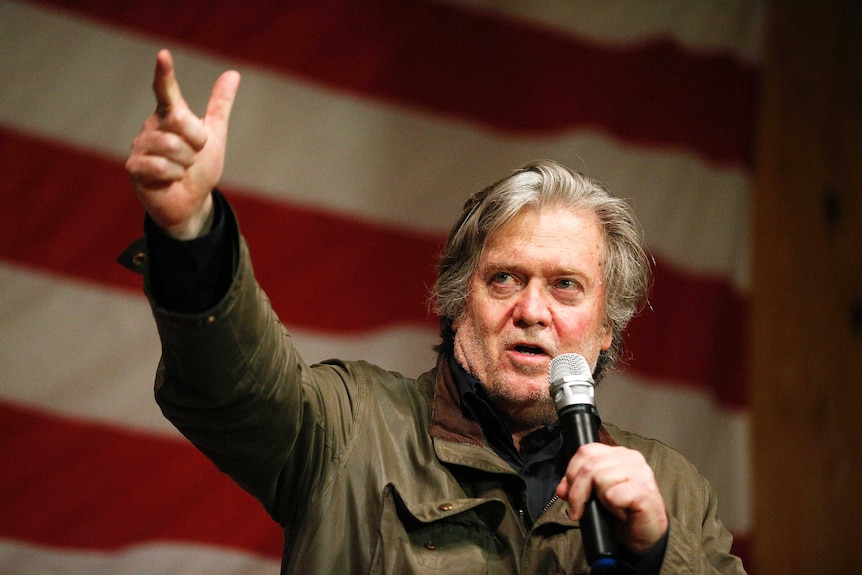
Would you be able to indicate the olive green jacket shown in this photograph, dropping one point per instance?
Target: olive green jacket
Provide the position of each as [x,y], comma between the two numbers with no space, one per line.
[369,471]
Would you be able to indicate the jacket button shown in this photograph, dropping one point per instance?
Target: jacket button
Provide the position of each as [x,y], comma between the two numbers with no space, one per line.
[431,546]
[445,507]
[139,259]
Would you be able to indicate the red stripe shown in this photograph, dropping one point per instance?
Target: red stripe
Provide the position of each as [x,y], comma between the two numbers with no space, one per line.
[71,212]
[693,330]
[68,483]
[332,273]
[743,548]
[511,75]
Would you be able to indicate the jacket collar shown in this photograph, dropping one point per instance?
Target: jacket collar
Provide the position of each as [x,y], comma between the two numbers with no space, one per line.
[447,419]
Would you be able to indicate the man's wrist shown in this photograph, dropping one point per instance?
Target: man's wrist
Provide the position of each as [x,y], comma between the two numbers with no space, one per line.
[199,225]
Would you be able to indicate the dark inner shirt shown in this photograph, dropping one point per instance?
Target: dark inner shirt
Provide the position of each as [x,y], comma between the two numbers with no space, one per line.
[538,461]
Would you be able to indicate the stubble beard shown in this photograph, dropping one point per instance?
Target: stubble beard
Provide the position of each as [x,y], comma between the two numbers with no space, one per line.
[533,410]
[525,405]
[523,410]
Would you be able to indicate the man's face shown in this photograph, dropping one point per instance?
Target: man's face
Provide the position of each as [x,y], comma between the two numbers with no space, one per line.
[537,293]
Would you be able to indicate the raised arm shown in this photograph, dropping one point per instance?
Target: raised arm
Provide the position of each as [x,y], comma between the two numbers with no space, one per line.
[178,158]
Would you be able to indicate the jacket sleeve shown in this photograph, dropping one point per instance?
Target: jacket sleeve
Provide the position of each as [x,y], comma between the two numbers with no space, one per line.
[232,382]
[700,545]
[697,543]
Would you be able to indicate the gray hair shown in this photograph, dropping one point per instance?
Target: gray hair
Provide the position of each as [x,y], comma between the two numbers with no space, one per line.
[539,185]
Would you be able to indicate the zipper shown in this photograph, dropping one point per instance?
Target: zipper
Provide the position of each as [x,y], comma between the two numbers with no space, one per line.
[551,502]
[523,514]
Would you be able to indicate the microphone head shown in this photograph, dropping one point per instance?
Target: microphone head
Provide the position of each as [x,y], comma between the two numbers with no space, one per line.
[571,381]
[572,364]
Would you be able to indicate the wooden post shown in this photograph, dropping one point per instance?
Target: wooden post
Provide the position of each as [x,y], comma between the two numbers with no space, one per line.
[806,339]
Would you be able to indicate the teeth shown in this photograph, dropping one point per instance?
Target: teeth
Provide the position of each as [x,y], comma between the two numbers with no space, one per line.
[530,350]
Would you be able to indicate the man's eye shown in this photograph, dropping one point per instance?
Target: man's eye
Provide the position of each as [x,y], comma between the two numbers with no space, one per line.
[502,277]
[568,285]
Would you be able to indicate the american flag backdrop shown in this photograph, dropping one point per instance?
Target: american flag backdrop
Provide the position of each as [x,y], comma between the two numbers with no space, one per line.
[359,129]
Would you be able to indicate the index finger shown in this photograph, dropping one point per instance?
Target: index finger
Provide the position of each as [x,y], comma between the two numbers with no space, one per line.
[165,85]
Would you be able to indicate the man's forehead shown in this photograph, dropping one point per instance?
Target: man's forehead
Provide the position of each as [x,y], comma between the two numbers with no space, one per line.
[549,226]
[566,244]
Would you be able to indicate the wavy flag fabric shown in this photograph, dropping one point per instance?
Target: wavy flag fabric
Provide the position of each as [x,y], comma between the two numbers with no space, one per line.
[359,130]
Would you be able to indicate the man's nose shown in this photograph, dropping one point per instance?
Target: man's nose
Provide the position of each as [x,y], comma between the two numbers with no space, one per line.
[532,307]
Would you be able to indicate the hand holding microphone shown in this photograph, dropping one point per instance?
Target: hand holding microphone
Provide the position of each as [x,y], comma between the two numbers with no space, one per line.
[572,389]
[611,489]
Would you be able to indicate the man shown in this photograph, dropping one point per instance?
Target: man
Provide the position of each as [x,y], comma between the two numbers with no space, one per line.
[460,470]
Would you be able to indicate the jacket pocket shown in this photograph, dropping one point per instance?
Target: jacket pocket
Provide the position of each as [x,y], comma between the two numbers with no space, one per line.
[455,536]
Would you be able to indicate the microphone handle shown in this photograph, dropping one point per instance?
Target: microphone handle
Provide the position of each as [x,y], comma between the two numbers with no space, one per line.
[580,425]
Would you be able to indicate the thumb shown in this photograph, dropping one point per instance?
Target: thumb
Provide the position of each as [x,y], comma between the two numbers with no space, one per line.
[221,102]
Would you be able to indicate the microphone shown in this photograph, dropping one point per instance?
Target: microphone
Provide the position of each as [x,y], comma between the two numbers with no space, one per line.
[573,389]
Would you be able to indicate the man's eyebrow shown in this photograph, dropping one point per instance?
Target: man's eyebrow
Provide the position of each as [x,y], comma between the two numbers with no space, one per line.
[500,266]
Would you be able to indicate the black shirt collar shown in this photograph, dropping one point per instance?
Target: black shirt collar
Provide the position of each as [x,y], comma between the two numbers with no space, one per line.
[476,405]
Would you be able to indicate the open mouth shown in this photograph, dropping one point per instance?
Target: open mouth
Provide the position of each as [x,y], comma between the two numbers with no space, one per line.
[530,349]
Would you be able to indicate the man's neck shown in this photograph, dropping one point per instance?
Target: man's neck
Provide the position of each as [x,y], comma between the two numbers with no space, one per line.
[519,435]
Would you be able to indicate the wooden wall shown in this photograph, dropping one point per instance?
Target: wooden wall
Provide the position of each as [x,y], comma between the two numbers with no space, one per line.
[806,336]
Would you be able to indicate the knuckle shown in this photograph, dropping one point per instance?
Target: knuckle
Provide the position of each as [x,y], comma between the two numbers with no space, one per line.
[170,143]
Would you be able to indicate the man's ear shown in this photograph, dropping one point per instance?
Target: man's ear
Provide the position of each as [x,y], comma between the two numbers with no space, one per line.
[607,337]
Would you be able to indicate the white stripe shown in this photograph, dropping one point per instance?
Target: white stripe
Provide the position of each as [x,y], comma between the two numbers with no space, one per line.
[307,145]
[78,349]
[91,353]
[728,26]
[150,559]
[714,439]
